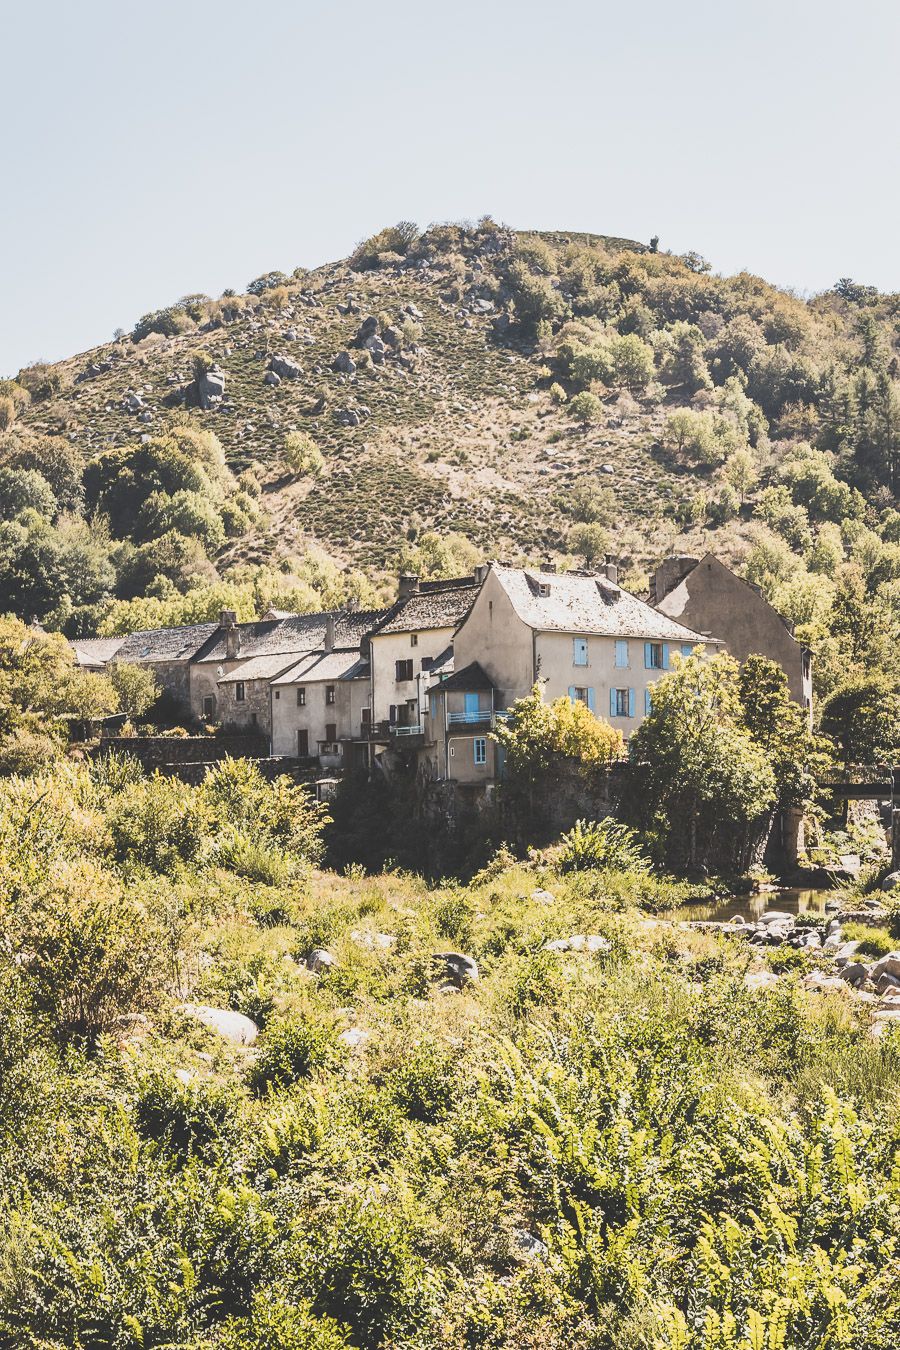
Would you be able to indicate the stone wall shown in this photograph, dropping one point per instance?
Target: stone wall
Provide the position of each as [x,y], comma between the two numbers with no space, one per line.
[155,751]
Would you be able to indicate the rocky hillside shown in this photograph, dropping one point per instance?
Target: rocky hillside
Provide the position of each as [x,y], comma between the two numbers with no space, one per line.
[426,401]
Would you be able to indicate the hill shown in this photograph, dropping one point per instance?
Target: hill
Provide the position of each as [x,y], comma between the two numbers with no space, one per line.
[524,392]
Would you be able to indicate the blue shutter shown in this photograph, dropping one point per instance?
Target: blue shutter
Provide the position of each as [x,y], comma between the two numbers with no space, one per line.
[612,702]
[433,702]
[631,703]
[591,699]
[572,693]
[665,648]
[471,705]
[686,649]
[648,702]
[621,653]
[648,655]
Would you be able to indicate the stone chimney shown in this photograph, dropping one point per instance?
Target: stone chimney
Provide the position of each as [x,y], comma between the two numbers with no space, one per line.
[228,624]
[407,585]
[329,632]
[670,572]
[612,569]
[480,573]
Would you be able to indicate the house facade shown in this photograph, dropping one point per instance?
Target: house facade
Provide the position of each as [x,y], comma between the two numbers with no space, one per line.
[703,593]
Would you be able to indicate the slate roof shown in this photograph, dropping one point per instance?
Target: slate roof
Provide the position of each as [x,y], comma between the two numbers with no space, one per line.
[325,666]
[574,602]
[295,634]
[260,668]
[166,644]
[436,604]
[443,663]
[95,651]
[470,679]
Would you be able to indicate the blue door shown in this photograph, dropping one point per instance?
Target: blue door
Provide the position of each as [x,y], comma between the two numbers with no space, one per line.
[471,705]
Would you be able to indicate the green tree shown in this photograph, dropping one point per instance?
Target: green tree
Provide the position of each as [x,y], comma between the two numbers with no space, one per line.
[776,722]
[684,364]
[136,688]
[741,472]
[862,717]
[589,541]
[586,408]
[699,784]
[302,455]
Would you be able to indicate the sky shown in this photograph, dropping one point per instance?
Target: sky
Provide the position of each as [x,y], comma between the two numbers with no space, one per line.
[151,150]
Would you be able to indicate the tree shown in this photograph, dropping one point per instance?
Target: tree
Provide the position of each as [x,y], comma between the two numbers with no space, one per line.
[136,688]
[777,723]
[685,363]
[588,540]
[588,500]
[862,717]
[699,785]
[25,490]
[302,455]
[741,472]
[632,361]
[587,408]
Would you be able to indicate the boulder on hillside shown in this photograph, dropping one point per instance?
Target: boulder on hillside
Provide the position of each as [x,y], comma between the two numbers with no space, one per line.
[367,329]
[232,1026]
[458,968]
[285,367]
[344,364]
[210,387]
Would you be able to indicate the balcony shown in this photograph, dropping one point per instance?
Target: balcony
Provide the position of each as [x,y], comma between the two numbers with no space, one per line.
[398,730]
[482,718]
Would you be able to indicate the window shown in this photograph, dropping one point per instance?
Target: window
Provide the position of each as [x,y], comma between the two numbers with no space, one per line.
[209,706]
[579,652]
[578,694]
[329,694]
[656,656]
[622,653]
[240,693]
[301,697]
[426,662]
[366,716]
[414,639]
[480,749]
[404,671]
[686,649]
[433,706]
[278,693]
[330,731]
[648,702]
[621,703]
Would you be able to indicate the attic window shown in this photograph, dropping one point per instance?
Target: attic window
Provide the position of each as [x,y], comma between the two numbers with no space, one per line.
[543,590]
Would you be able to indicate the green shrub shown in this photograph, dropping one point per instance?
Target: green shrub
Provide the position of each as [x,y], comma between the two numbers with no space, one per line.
[600,844]
[293,1048]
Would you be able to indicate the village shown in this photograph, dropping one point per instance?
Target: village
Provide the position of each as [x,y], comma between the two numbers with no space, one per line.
[423,682]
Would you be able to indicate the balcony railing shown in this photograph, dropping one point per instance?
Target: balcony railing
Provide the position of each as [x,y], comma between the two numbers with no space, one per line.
[397,730]
[482,715]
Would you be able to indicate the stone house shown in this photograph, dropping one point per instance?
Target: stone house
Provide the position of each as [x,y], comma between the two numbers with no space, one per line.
[320,708]
[169,654]
[704,594]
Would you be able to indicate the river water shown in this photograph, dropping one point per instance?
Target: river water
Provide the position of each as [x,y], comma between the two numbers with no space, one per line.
[789,901]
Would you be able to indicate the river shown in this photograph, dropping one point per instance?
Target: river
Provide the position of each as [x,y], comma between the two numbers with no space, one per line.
[790,901]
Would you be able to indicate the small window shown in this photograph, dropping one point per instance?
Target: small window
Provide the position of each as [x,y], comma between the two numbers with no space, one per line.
[655,656]
[414,639]
[254,718]
[330,731]
[544,590]
[366,717]
[580,695]
[301,697]
[209,706]
[621,653]
[621,703]
[404,671]
[240,693]
[480,749]
[329,697]
[278,693]
[648,702]
[426,662]
[579,651]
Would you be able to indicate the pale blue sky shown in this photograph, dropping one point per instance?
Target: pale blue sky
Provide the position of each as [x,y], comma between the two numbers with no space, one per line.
[159,148]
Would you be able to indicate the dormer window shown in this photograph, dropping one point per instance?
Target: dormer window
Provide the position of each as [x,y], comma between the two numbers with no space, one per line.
[544,590]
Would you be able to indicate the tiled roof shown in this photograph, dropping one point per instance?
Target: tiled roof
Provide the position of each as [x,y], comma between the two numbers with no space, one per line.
[166,644]
[470,679]
[575,602]
[443,663]
[437,604]
[325,666]
[95,651]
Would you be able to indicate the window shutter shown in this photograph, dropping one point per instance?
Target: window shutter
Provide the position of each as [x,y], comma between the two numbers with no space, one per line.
[648,701]
[686,649]
[572,693]
[648,655]
[590,693]
[665,648]
[612,702]
[631,703]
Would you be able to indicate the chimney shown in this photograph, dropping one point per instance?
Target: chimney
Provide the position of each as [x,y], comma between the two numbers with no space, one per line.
[480,573]
[228,623]
[407,585]
[329,632]
[612,569]
[669,574]
[548,566]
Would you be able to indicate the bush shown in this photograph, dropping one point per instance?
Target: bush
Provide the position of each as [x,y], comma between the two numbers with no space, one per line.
[293,1048]
[600,843]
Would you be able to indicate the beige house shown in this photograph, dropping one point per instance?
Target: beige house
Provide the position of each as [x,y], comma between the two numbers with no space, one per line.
[705,594]
[320,708]
[407,645]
